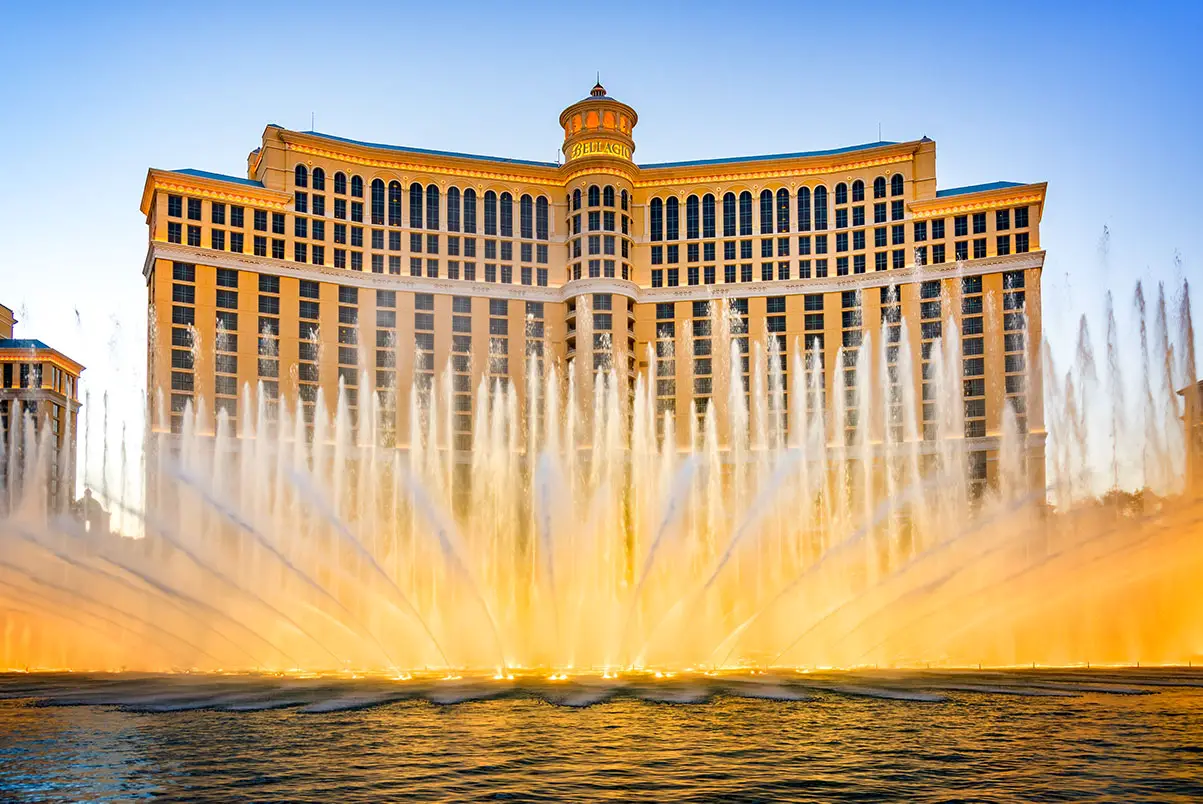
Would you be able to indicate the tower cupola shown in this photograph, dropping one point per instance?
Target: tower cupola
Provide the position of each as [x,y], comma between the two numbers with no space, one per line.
[598,128]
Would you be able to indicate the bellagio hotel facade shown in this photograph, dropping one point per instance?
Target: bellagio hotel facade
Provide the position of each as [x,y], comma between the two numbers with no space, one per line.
[332,248]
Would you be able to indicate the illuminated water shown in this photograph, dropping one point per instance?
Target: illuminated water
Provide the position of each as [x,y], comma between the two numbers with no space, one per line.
[1082,735]
[575,536]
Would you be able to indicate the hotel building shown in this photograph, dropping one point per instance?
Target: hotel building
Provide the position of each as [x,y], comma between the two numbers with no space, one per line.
[331,250]
[39,388]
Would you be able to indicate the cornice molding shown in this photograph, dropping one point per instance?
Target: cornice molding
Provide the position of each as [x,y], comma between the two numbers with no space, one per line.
[49,354]
[975,202]
[437,165]
[652,177]
[783,172]
[159,250]
[182,183]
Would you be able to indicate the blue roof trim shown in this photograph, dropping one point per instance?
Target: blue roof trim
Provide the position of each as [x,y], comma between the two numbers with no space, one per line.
[767,157]
[977,188]
[429,152]
[22,343]
[204,174]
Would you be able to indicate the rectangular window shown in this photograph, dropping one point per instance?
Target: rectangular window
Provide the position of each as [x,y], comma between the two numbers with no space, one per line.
[194,236]
[175,232]
[260,220]
[194,209]
[175,206]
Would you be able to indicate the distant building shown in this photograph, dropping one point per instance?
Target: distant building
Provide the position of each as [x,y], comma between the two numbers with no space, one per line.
[39,387]
[1192,421]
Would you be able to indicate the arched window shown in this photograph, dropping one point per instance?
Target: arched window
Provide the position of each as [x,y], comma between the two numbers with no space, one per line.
[453,209]
[657,219]
[541,230]
[896,184]
[319,179]
[394,204]
[377,201]
[526,214]
[415,206]
[507,215]
[490,212]
[594,195]
[820,208]
[729,215]
[708,215]
[340,183]
[576,199]
[300,176]
[608,196]
[782,210]
[692,217]
[432,207]
[470,211]
[672,217]
[625,200]
[879,187]
[766,211]
[803,209]
[841,194]
[357,187]
[858,191]
[745,213]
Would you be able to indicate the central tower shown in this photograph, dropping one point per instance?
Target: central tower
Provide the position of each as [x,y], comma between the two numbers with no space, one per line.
[599,181]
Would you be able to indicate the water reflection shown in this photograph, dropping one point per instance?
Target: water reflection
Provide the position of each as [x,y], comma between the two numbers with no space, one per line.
[1070,735]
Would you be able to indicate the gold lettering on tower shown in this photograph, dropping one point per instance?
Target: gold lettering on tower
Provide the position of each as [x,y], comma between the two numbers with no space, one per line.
[599,147]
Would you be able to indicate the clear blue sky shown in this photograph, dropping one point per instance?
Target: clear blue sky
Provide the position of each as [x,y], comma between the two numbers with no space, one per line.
[1101,100]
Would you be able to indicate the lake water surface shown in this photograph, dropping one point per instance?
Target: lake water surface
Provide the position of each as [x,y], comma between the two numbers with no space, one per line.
[1038,735]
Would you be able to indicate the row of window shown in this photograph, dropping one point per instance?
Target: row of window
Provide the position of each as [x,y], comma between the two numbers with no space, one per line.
[664,217]
[812,210]
[425,205]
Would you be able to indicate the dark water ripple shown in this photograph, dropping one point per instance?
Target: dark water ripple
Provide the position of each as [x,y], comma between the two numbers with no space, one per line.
[1100,735]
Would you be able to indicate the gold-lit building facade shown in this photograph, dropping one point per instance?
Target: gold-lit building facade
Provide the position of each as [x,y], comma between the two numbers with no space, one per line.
[336,260]
[39,405]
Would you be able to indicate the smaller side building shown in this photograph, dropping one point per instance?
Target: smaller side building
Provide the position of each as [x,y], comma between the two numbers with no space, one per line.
[39,388]
[1192,421]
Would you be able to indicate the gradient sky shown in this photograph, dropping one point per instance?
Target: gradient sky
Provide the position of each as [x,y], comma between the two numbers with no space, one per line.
[1104,101]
